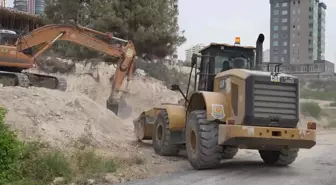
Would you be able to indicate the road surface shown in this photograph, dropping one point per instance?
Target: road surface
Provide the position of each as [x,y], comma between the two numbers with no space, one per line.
[313,167]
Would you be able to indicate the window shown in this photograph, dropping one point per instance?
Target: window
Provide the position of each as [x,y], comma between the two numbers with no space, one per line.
[284,12]
[285,51]
[282,59]
[276,4]
[311,25]
[310,50]
[284,27]
[304,68]
[275,35]
[285,43]
[276,12]
[311,68]
[284,20]
[310,33]
[275,28]
[284,4]
[275,58]
[275,43]
[276,20]
[310,41]
[284,35]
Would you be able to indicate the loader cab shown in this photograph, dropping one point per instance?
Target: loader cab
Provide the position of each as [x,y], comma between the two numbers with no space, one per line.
[217,58]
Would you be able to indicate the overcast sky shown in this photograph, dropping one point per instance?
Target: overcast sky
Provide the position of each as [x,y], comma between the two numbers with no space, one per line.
[223,20]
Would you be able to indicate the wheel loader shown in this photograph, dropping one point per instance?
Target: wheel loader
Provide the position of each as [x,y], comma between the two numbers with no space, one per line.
[233,105]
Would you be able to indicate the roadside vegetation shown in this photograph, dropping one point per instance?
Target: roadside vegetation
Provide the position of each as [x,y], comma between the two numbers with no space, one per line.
[35,163]
[312,109]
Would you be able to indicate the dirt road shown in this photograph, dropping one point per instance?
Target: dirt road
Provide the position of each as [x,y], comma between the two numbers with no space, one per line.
[313,167]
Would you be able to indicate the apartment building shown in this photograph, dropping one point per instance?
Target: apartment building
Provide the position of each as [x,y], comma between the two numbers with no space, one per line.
[30,6]
[193,49]
[297,31]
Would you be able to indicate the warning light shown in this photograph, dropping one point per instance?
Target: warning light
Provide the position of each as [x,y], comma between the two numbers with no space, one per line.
[237,41]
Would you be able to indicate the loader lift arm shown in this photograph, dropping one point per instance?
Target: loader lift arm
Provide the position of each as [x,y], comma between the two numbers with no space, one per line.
[44,37]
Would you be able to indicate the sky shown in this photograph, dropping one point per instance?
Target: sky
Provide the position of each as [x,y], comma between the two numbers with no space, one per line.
[223,20]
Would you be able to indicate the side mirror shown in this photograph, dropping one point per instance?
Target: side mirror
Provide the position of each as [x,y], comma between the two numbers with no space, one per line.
[193,59]
[175,87]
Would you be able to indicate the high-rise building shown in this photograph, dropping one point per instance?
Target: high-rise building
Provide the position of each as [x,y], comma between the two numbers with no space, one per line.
[297,31]
[2,3]
[39,6]
[321,31]
[30,6]
[193,49]
[21,5]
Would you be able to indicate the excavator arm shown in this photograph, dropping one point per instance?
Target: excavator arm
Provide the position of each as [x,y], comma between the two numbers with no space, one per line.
[44,37]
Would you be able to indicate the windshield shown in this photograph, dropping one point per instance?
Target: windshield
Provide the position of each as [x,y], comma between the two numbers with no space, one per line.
[223,63]
[8,38]
[239,63]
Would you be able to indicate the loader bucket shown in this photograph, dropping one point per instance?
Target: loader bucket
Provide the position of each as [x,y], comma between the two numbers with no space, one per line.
[120,108]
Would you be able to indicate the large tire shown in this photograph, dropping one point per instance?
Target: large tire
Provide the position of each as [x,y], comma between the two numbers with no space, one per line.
[202,141]
[229,152]
[284,157]
[162,135]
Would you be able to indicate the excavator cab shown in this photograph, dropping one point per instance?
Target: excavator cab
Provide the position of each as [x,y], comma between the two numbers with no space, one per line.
[8,37]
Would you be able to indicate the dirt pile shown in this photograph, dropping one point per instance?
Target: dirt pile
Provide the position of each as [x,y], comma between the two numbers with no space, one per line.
[62,119]
[79,114]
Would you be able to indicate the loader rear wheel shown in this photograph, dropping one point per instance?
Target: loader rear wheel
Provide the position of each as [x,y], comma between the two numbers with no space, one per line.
[229,152]
[162,136]
[284,157]
[202,141]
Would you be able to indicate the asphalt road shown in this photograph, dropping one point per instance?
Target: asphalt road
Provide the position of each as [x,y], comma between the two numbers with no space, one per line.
[316,166]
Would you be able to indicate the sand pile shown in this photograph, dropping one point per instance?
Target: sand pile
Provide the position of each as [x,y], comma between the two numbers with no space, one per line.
[79,114]
[62,118]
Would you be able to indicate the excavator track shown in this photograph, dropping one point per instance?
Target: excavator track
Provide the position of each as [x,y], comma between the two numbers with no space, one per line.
[26,79]
[46,81]
[14,79]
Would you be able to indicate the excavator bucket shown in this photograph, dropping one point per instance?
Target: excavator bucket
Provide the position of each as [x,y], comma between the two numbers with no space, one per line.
[121,109]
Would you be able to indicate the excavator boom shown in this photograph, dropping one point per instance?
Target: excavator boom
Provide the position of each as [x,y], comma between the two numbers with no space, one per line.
[45,36]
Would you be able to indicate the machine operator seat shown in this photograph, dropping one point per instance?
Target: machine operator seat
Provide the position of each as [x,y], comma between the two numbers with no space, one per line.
[226,66]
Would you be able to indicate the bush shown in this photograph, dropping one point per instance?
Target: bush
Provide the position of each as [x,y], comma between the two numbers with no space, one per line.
[311,108]
[10,148]
[318,95]
[332,104]
[332,124]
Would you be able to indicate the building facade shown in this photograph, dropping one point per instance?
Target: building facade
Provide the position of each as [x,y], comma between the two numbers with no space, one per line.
[193,49]
[297,31]
[30,6]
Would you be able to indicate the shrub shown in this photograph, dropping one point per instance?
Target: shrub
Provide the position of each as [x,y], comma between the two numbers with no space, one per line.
[318,95]
[311,108]
[332,104]
[10,148]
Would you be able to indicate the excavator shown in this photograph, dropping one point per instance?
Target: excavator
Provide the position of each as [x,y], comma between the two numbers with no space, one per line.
[18,53]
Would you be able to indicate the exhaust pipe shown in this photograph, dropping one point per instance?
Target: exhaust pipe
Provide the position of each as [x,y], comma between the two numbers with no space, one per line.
[259,52]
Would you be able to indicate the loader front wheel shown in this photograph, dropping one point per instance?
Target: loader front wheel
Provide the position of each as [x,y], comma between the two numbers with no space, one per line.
[162,136]
[284,157]
[202,141]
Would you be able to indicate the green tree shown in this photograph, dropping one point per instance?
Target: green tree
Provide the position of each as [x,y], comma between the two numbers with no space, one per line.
[151,24]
